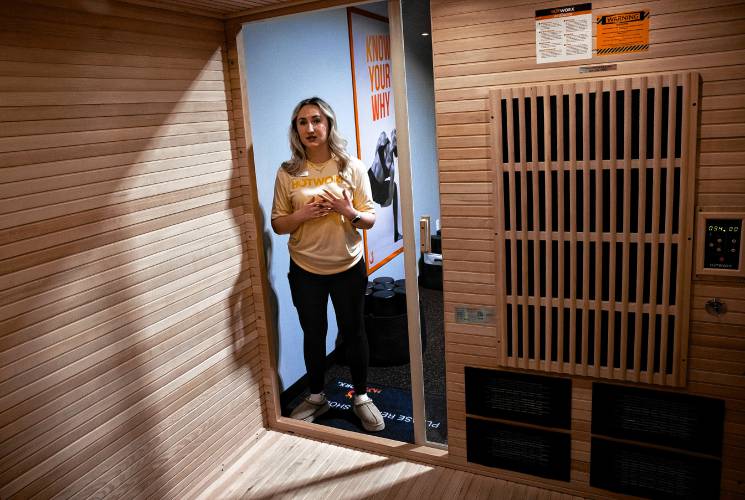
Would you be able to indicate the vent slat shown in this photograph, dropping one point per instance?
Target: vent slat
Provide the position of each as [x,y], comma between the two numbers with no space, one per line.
[642,198]
[587,229]
[627,105]
[689,133]
[571,90]
[536,226]
[561,226]
[598,223]
[523,225]
[548,194]
[612,229]
[513,223]
[497,152]
[669,219]
[654,224]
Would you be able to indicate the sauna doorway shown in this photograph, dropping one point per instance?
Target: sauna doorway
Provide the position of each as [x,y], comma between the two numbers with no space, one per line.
[281,63]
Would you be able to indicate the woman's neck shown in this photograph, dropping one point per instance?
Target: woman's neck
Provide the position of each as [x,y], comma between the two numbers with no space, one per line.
[318,155]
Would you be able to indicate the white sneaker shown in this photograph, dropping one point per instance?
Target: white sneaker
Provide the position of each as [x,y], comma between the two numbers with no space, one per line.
[308,410]
[368,414]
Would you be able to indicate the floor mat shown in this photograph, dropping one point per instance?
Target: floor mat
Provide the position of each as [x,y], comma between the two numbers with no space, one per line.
[394,404]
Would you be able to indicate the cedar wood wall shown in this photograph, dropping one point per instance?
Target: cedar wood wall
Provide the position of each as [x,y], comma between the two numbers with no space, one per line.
[129,354]
[479,44]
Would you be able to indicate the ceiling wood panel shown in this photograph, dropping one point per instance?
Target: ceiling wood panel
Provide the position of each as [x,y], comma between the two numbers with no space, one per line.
[219,8]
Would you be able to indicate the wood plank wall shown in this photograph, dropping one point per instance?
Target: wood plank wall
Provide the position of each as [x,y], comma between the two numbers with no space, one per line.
[256,226]
[129,358]
[481,44]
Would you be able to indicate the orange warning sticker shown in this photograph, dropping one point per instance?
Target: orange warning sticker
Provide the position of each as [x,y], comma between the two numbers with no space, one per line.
[621,33]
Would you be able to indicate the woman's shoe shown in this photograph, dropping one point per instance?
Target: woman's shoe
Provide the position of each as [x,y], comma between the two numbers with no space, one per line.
[308,410]
[368,414]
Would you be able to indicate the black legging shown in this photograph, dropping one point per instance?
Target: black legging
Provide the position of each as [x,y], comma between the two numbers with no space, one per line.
[310,293]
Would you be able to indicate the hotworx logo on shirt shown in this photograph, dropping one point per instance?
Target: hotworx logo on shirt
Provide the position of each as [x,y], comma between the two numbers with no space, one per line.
[306,182]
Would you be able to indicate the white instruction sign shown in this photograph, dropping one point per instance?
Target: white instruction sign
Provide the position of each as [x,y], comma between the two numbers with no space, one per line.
[563,33]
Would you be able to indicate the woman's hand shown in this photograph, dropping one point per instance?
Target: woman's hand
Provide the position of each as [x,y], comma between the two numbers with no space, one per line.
[341,206]
[314,209]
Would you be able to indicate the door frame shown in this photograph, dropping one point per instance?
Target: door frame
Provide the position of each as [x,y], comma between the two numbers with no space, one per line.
[421,449]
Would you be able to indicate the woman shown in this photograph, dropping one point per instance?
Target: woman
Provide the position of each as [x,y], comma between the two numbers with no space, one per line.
[321,198]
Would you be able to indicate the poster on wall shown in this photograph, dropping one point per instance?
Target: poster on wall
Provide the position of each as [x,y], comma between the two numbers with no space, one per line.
[563,33]
[370,51]
[623,32]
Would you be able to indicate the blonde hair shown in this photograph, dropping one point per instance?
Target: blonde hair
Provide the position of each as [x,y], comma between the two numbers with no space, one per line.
[337,144]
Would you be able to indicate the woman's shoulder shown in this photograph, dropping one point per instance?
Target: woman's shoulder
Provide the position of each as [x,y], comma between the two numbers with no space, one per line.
[284,169]
[357,165]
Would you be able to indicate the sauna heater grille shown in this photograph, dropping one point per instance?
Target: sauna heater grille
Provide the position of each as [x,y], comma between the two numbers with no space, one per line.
[594,184]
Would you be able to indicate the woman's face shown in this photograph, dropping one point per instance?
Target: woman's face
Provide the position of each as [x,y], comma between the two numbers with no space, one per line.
[312,126]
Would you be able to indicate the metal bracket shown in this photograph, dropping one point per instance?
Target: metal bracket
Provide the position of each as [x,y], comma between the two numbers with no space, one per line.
[715,307]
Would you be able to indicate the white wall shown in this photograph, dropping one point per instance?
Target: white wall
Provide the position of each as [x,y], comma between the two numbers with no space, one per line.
[421,100]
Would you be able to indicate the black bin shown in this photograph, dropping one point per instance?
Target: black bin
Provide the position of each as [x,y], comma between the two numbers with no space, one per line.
[384,303]
[387,334]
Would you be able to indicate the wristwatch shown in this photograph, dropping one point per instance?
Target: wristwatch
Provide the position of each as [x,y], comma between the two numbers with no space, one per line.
[356,218]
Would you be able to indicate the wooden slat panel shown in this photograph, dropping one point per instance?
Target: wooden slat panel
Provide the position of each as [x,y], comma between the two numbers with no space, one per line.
[129,353]
[497,150]
[687,182]
[616,162]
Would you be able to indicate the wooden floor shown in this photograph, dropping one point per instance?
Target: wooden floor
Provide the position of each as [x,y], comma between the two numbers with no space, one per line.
[285,466]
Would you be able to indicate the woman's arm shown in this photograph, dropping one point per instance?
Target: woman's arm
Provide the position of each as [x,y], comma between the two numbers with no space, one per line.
[367,220]
[288,223]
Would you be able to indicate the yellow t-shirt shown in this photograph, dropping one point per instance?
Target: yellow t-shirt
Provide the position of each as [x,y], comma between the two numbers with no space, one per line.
[328,244]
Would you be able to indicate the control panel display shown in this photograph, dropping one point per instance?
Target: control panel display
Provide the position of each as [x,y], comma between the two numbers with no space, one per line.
[722,244]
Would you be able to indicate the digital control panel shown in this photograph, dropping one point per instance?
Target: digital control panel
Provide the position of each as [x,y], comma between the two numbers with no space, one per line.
[719,250]
[722,244]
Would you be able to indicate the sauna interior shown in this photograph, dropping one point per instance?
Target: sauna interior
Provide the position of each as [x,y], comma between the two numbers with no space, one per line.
[591,207]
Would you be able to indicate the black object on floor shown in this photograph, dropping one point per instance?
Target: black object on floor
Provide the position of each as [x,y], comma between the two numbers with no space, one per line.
[430,275]
[394,404]
[388,338]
